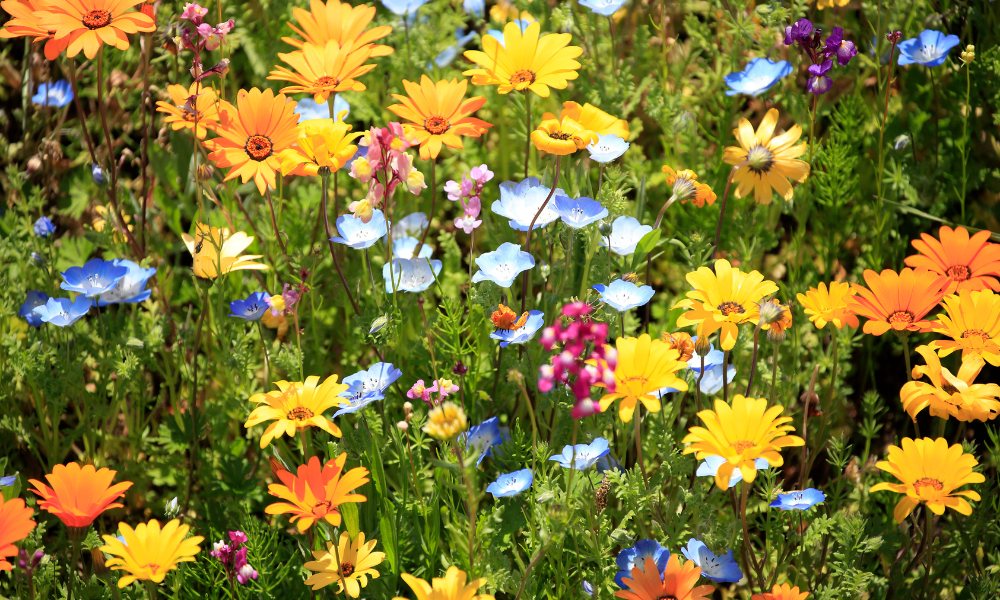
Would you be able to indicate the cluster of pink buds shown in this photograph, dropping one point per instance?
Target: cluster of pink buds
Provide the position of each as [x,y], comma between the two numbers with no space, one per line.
[203,37]
[434,394]
[386,166]
[583,354]
[233,557]
[468,193]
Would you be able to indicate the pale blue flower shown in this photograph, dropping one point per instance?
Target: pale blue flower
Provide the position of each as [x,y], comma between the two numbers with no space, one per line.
[251,309]
[503,265]
[498,34]
[450,53]
[97,173]
[412,224]
[534,322]
[760,75]
[720,569]
[62,312]
[803,500]
[521,201]
[403,7]
[57,94]
[624,295]
[360,235]
[482,438]
[131,289]
[94,278]
[403,247]
[586,455]
[588,589]
[625,234]
[511,484]
[712,381]
[8,481]
[930,48]
[411,274]
[607,148]
[710,466]
[309,110]
[375,379]
[635,558]
[475,7]
[605,8]
[27,310]
[579,212]
[357,398]
[43,227]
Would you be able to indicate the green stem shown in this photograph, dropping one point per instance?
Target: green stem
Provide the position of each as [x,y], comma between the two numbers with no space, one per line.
[371,276]
[267,365]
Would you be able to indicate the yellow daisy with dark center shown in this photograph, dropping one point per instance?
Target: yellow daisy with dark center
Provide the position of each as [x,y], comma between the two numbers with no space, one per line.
[766,162]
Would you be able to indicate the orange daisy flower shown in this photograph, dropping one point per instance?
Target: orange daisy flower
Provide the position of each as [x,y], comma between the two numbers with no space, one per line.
[190,105]
[323,70]
[15,524]
[824,305]
[253,134]
[970,263]
[79,494]
[972,321]
[316,493]
[87,24]
[593,119]
[25,15]
[677,582]
[782,592]
[686,187]
[340,22]
[439,114]
[897,301]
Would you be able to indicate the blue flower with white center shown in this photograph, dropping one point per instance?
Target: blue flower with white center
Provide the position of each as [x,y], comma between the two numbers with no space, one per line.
[720,569]
[94,278]
[586,455]
[710,466]
[97,173]
[579,212]
[43,227]
[8,481]
[131,289]
[309,110]
[481,438]
[635,558]
[450,53]
[411,225]
[712,381]
[63,312]
[511,484]
[605,8]
[930,48]
[625,234]
[403,7]
[498,35]
[251,309]
[475,7]
[411,274]
[360,235]
[503,265]
[357,398]
[588,589]
[624,295]
[27,310]
[534,322]
[760,75]
[803,500]
[55,95]
[375,379]
[607,148]
[519,202]
[403,247]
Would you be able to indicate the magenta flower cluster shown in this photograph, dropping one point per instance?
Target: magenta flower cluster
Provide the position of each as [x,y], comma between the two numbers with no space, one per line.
[441,387]
[821,53]
[233,557]
[468,193]
[583,361]
[204,37]
[386,166]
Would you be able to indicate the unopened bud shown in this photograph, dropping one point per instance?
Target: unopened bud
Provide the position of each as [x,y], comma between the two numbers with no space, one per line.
[34,165]
[205,172]
[276,467]
[770,311]
[969,55]
[402,426]
[100,569]
[702,346]
[323,172]
[604,228]
[894,36]
[407,407]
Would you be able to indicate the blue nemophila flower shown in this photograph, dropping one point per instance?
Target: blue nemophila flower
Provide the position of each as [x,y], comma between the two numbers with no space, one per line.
[535,321]
[586,455]
[450,53]
[625,234]
[930,48]
[635,558]
[411,274]
[483,437]
[8,480]
[579,212]
[375,379]
[511,484]
[403,247]
[97,173]
[94,278]
[56,95]
[760,75]
[357,398]
[412,225]
[62,312]
[360,235]
[607,148]
[251,309]
[712,381]
[308,109]
[403,7]
[43,227]
[498,35]
[503,265]
[519,202]
[720,569]
[27,310]
[605,8]
[803,500]
[131,289]
[475,7]
[624,295]
[588,588]
[710,466]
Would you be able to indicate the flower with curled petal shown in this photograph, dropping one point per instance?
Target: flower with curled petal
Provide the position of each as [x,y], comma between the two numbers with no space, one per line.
[766,162]
[950,395]
[218,251]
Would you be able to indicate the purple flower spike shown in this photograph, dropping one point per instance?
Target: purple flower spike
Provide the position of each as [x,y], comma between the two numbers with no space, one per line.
[819,83]
[799,32]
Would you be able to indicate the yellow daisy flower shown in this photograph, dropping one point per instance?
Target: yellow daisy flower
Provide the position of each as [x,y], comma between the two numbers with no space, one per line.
[562,137]
[525,61]
[948,395]
[295,406]
[322,143]
[450,587]
[217,251]
[357,564]
[770,161]
[446,421]
[149,553]
[972,321]
[323,70]
[824,305]
[644,367]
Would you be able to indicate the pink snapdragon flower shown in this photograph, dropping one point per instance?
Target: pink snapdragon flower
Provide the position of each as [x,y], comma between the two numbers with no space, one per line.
[582,361]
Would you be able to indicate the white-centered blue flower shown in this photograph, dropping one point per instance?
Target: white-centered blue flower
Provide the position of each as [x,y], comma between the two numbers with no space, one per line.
[760,75]
[803,500]
[582,456]
[54,95]
[27,310]
[930,48]
[412,225]
[360,235]
[635,558]
[403,247]
[624,295]
[43,227]
[520,202]
[483,438]
[720,569]
[498,35]
[607,148]
[94,278]
[62,312]
[131,289]
[251,309]
[534,322]
[308,109]
[710,466]
[625,234]
[375,379]
[579,212]
[511,484]
[605,8]
[411,274]
[403,7]
[357,399]
[450,53]
[503,265]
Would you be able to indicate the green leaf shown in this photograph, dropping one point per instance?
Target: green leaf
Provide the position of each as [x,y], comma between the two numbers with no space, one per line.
[376,468]
[387,533]
[352,519]
[644,247]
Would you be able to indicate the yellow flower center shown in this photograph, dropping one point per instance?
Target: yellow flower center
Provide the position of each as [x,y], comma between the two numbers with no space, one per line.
[522,77]
[346,568]
[324,82]
[760,159]
[321,509]
[743,446]
[927,481]
[729,307]
[436,124]
[901,316]
[259,147]
[959,272]
[96,19]
[975,333]
[300,413]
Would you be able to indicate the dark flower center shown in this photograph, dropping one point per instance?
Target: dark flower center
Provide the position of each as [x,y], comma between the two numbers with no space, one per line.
[760,159]
[949,388]
[959,272]
[436,124]
[560,135]
[300,413]
[666,597]
[975,333]
[259,147]
[323,82]
[927,481]
[728,308]
[522,77]
[901,316]
[346,568]
[96,19]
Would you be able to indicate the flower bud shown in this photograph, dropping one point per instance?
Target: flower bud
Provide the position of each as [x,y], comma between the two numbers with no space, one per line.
[969,54]
[702,346]
[604,228]
[100,569]
[770,311]
[402,426]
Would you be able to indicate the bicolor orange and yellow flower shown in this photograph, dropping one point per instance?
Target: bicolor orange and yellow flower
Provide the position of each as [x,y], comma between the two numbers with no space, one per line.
[685,186]
[323,70]
[190,105]
[339,22]
[322,143]
[79,494]
[438,114]
[317,493]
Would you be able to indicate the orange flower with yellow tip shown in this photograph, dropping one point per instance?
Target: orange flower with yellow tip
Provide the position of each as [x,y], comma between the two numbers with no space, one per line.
[782,592]
[15,525]
[896,301]
[561,137]
[741,434]
[149,552]
[970,263]
[766,162]
[323,70]
[645,366]
[79,494]
[685,186]
[195,104]
[677,582]
[824,305]
[216,250]
[296,406]
[88,24]
[341,23]
[929,472]
[592,119]
[452,586]
[950,395]
[24,22]
[505,319]
[439,114]
[723,300]
[323,143]
[972,321]
[317,493]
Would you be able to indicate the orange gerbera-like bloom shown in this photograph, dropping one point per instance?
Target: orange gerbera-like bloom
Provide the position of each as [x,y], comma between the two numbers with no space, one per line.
[897,301]
[768,162]
[324,70]
[525,61]
[970,263]
[677,582]
[686,187]
[79,494]
[592,119]
[438,113]
[949,395]
[316,493]
[562,137]
[15,525]
[87,24]
[24,22]
[782,592]
[829,305]
[252,133]
[341,23]
[972,320]
[191,105]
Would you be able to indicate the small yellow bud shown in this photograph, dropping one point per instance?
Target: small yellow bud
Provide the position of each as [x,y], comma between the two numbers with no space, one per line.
[969,54]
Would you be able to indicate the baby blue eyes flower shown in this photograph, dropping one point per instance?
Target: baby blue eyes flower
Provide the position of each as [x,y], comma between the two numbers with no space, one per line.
[450,53]
[605,8]
[403,7]
[56,95]
[803,500]
[625,234]
[535,321]
[607,148]
[411,274]
[498,35]
[579,212]
[308,109]
[511,484]
[588,588]
[720,569]
[131,289]
[358,234]
[251,309]
[43,227]
[503,265]
[481,439]
[411,225]
[357,398]
[375,379]
[94,278]
[475,7]
[519,202]
[710,466]
[635,558]
[586,454]
[61,312]
[624,295]
[27,310]
[8,481]
[930,48]
[403,247]
[760,75]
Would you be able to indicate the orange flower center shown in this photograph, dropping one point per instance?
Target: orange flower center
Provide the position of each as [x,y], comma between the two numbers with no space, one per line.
[346,568]
[522,77]
[666,597]
[743,446]
[901,316]
[300,413]
[927,481]
[436,124]
[975,333]
[324,82]
[759,159]
[728,308]
[959,272]
[153,568]
[259,147]
[321,509]
[96,19]
[641,380]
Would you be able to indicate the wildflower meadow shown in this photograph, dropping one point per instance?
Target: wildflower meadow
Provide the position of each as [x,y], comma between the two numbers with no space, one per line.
[506,300]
